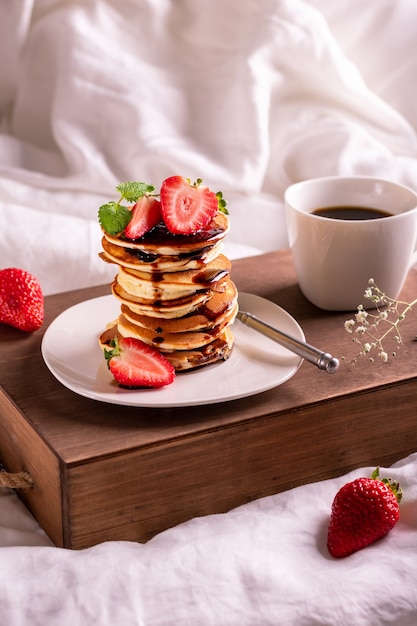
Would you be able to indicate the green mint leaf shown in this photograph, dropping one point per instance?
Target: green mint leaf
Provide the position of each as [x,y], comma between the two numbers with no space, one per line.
[114,217]
[131,191]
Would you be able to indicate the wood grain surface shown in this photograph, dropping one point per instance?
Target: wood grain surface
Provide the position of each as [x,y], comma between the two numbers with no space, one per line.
[106,472]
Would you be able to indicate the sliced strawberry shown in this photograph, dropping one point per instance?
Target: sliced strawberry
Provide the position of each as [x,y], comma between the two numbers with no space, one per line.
[135,364]
[187,208]
[21,300]
[146,214]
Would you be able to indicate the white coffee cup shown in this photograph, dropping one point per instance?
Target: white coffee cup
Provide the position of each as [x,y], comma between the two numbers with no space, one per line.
[335,258]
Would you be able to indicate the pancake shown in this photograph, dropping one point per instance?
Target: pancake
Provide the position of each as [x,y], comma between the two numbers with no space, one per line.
[185,360]
[167,309]
[207,276]
[167,342]
[218,307]
[160,250]
[135,259]
[171,285]
[218,350]
[160,242]
[149,289]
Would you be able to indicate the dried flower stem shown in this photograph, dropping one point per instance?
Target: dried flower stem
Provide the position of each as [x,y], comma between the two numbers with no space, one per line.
[371,330]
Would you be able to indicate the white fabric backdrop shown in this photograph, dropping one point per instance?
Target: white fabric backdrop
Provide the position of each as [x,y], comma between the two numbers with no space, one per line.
[250,96]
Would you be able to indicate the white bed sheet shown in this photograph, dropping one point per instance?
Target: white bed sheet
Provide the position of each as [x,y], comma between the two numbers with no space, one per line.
[264,563]
[251,97]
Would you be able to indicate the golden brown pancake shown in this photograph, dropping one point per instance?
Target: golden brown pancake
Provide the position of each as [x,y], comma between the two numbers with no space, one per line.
[165,309]
[159,241]
[218,350]
[218,307]
[129,257]
[168,342]
[161,250]
[184,360]
[166,285]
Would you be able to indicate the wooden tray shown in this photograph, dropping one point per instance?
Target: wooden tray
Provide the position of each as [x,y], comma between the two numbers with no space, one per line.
[106,472]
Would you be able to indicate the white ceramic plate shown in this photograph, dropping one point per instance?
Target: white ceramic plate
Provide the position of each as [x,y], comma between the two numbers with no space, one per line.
[71,351]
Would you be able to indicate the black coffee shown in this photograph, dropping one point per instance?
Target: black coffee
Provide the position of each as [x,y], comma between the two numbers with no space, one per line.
[351,213]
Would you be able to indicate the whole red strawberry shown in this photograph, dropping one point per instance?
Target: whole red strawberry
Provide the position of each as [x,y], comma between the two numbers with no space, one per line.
[21,300]
[363,511]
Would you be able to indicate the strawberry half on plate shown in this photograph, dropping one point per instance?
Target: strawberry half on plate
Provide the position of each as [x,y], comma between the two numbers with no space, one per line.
[134,364]
[187,208]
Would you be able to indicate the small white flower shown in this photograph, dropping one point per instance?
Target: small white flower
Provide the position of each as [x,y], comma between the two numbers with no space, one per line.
[361,330]
[361,316]
[349,324]
[367,325]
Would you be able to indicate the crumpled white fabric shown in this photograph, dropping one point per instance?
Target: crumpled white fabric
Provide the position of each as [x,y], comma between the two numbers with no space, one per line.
[263,563]
[249,96]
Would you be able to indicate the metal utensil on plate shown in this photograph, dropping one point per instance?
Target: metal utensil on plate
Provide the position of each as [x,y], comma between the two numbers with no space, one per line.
[323,360]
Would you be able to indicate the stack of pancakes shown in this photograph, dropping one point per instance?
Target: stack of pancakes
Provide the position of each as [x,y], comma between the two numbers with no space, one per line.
[175,293]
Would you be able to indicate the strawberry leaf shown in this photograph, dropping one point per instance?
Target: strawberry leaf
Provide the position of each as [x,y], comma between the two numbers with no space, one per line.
[132,191]
[222,203]
[115,351]
[392,484]
[114,217]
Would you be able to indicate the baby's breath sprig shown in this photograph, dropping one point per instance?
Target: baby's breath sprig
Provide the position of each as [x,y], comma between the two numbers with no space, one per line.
[370,329]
